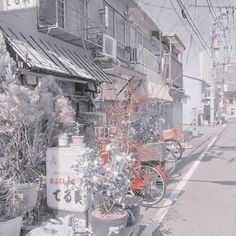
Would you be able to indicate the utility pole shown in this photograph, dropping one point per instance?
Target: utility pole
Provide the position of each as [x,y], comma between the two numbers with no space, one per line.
[216,78]
[212,83]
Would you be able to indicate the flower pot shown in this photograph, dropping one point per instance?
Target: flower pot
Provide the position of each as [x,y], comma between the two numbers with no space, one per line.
[113,223]
[52,229]
[29,192]
[11,227]
[62,140]
[78,140]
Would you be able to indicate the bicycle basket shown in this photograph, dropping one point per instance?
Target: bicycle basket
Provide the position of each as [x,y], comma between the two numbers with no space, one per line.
[171,134]
[152,151]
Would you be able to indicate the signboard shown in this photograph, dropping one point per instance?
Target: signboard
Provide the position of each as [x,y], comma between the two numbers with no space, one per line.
[62,193]
[195,128]
[7,5]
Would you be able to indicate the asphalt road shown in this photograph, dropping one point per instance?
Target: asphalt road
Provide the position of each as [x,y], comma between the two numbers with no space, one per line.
[207,205]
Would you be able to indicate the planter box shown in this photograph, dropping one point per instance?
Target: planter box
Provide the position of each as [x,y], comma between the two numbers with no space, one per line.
[30,194]
[11,227]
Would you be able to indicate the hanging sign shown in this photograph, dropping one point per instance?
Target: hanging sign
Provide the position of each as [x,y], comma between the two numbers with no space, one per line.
[7,5]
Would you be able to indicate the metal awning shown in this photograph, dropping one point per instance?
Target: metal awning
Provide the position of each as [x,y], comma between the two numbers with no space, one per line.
[45,54]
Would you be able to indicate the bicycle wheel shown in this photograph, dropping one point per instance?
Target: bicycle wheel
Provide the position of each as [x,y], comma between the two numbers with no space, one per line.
[174,148]
[148,184]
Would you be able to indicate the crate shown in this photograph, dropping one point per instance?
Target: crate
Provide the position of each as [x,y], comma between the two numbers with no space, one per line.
[171,134]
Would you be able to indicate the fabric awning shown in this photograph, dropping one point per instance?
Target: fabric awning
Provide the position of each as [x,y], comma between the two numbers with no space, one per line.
[45,54]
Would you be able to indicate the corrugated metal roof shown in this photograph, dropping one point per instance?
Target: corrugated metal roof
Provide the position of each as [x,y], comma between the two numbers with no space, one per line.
[43,52]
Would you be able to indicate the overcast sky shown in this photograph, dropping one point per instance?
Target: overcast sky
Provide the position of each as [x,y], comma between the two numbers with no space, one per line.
[166,18]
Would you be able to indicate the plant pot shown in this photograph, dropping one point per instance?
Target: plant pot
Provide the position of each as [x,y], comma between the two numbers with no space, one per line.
[109,224]
[62,140]
[78,140]
[11,227]
[133,215]
[30,194]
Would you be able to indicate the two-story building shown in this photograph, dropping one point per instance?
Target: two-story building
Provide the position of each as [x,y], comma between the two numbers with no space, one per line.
[44,39]
[139,58]
[86,43]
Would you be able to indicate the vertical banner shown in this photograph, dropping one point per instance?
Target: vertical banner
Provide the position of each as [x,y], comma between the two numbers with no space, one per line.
[195,128]
[62,193]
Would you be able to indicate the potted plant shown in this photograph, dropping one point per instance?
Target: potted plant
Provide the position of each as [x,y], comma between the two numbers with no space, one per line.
[12,209]
[30,122]
[76,138]
[63,139]
[108,183]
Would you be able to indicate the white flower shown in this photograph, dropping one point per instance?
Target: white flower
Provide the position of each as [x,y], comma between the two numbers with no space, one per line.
[85,164]
[80,175]
[128,157]
[95,178]
[108,147]
[118,158]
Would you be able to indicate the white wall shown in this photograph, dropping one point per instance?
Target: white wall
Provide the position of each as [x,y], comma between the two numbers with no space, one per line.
[193,89]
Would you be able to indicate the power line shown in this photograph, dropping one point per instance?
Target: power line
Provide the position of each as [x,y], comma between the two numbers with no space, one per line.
[230,6]
[182,20]
[191,37]
[163,4]
[158,6]
[190,21]
[211,10]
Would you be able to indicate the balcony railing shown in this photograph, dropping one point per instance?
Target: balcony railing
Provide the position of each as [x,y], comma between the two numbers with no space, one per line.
[62,19]
[140,55]
[173,71]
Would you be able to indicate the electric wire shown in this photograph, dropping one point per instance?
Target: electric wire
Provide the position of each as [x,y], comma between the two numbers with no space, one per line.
[163,4]
[191,37]
[188,18]
[184,24]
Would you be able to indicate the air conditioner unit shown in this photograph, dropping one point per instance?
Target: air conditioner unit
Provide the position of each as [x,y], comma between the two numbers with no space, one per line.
[133,55]
[109,45]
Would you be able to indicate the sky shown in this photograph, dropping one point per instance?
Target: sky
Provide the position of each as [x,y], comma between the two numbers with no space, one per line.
[167,19]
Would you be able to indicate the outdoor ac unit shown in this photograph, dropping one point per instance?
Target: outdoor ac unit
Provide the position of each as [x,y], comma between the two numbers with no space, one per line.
[133,55]
[109,45]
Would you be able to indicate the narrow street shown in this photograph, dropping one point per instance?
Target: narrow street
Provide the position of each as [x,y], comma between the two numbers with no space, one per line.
[206,205]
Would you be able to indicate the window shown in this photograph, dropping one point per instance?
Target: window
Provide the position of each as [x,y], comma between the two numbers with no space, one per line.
[61,13]
[132,36]
[109,21]
[120,28]
[115,24]
[231,100]
[139,37]
[145,42]
[232,111]
[79,89]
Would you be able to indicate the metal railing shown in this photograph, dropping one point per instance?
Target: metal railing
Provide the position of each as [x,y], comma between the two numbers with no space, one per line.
[72,19]
[173,70]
